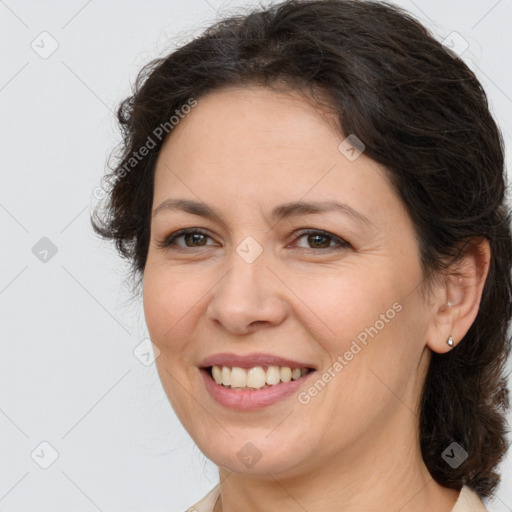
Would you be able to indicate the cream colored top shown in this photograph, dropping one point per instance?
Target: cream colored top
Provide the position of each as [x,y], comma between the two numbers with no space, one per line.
[468,501]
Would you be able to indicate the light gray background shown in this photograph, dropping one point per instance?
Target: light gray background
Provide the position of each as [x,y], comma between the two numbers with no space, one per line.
[68,375]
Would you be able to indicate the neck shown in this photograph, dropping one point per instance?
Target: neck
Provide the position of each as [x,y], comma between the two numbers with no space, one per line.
[392,473]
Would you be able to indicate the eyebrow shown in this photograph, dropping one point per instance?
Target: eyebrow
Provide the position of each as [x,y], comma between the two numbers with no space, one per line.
[280,212]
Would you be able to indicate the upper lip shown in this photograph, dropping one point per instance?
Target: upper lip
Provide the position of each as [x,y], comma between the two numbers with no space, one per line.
[251,360]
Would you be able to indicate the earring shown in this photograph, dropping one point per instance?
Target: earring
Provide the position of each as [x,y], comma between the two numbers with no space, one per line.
[450,341]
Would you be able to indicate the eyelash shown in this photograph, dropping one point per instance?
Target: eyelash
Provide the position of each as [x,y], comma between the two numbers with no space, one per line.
[169,241]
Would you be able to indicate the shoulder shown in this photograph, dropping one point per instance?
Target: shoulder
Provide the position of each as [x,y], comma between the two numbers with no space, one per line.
[208,501]
[468,501]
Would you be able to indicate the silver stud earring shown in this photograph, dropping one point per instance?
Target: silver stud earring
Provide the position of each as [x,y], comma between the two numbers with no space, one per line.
[450,341]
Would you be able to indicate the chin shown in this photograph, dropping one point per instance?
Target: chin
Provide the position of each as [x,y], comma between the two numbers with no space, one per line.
[255,454]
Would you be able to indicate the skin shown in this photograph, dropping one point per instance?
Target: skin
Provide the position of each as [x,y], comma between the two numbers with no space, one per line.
[354,446]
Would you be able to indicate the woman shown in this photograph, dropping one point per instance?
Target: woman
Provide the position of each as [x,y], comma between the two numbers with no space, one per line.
[312,198]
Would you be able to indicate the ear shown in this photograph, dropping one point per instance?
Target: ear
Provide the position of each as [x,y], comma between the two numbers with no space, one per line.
[456,299]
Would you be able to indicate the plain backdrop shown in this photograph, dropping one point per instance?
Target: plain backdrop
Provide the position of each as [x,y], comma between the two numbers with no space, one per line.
[84,424]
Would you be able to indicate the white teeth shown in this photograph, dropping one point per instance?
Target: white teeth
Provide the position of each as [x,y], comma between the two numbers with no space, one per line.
[273,375]
[286,374]
[226,376]
[256,377]
[217,374]
[238,377]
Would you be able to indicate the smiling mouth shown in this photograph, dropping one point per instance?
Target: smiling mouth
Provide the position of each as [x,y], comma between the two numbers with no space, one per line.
[258,377]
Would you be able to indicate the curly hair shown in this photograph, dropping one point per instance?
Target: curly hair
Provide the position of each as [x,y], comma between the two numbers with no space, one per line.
[422,114]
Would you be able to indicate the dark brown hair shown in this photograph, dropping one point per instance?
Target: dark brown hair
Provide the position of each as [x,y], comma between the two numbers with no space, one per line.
[422,113]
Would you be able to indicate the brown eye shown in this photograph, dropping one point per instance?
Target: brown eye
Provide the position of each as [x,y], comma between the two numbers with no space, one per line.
[192,238]
[322,240]
[318,241]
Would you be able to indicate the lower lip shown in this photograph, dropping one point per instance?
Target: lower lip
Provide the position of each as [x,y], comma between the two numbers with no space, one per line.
[249,400]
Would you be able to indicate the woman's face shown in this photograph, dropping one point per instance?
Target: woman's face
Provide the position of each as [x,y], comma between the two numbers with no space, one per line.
[249,286]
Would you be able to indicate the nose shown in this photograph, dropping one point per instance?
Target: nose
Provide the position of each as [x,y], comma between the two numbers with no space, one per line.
[248,297]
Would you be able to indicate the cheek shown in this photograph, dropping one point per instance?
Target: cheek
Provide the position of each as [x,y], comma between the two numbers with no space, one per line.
[342,304]
[170,303]
[170,299]
[363,322]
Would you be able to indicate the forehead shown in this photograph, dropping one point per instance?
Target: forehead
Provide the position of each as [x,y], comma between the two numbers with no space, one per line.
[257,144]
